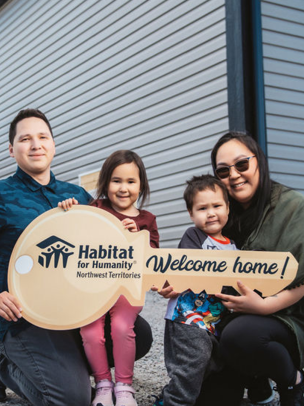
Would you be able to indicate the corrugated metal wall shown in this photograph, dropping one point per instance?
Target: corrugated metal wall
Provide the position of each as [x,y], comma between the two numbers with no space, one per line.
[143,75]
[283,49]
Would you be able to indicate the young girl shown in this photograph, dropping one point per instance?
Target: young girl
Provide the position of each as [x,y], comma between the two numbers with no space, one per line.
[122,182]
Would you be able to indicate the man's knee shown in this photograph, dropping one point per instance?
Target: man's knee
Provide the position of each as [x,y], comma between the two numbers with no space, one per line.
[76,396]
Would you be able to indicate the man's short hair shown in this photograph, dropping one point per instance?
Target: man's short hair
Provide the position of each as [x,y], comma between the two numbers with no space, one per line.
[26,113]
[200,183]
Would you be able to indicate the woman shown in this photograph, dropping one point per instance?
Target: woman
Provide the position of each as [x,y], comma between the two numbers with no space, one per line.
[265,336]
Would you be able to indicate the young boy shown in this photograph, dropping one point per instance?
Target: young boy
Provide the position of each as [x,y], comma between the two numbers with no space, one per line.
[191,347]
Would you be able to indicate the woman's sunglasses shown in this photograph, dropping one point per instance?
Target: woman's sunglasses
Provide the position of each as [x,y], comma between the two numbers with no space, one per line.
[241,166]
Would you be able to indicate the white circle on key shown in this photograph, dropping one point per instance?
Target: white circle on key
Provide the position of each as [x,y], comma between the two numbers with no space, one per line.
[24,264]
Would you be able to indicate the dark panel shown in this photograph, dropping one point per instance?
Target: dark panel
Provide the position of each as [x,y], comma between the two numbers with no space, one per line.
[2,2]
[246,102]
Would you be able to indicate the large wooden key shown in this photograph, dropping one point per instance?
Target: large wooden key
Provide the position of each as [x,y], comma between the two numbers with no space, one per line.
[69,268]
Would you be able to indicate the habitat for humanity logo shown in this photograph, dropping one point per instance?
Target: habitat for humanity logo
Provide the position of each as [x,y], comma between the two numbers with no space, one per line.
[55,248]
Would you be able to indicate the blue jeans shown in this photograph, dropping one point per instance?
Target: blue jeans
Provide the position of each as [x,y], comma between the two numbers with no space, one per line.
[46,367]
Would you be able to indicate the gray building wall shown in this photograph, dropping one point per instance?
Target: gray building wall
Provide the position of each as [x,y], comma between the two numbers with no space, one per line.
[283,58]
[144,75]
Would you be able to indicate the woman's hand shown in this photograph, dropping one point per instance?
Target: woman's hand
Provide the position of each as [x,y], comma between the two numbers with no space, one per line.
[251,302]
[130,225]
[248,302]
[166,291]
[10,308]
[68,203]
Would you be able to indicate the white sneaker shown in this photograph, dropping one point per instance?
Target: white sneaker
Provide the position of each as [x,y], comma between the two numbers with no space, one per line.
[124,394]
[104,393]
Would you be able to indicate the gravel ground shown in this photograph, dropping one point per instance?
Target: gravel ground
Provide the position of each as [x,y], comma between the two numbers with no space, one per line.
[150,372]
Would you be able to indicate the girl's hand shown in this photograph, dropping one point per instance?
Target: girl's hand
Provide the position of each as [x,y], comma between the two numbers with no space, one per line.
[68,203]
[10,308]
[130,225]
[248,302]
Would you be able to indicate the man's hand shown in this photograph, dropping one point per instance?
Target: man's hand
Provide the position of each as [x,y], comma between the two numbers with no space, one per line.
[10,308]
[68,203]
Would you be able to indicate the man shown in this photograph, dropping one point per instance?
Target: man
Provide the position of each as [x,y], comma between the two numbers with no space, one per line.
[46,367]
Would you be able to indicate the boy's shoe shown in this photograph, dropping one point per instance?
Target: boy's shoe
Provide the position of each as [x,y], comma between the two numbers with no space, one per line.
[104,393]
[3,396]
[293,395]
[2,392]
[158,401]
[261,391]
[124,394]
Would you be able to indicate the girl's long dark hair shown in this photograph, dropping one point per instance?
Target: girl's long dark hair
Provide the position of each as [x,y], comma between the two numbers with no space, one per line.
[242,222]
[123,156]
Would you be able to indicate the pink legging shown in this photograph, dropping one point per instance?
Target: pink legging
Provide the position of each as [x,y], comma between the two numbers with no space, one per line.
[123,316]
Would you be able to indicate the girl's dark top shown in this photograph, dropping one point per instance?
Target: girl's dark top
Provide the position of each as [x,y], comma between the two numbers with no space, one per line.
[144,221]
